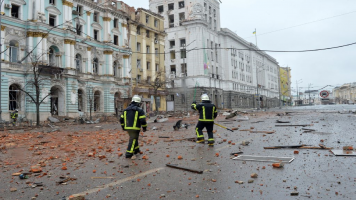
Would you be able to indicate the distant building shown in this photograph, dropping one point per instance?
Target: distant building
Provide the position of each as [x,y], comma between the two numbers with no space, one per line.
[345,94]
[285,84]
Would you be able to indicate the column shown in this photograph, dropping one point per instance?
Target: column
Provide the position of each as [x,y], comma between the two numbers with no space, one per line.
[72,56]
[88,24]
[109,69]
[124,34]
[30,10]
[67,53]
[126,66]
[29,42]
[39,51]
[106,30]
[2,9]
[44,48]
[2,37]
[67,12]
[90,67]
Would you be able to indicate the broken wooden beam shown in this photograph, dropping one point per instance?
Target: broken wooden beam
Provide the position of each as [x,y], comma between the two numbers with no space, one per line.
[308,129]
[281,125]
[240,152]
[267,132]
[185,169]
[298,147]
[164,137]
[280,121]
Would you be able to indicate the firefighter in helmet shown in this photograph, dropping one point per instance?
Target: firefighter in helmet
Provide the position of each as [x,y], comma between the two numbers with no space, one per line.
[132,119]
[207,115]
[14,116]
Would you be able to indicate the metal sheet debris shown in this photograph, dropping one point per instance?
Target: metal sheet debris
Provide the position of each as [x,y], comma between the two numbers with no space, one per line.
[340,152]
[264,158]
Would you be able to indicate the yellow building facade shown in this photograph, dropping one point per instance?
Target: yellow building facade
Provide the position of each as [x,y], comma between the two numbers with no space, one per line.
[147,59]
[285,84]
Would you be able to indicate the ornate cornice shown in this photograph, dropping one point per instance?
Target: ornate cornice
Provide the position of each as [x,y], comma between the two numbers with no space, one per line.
[67,3]
[126,56]
[37,34]
[88,13]
[68,41]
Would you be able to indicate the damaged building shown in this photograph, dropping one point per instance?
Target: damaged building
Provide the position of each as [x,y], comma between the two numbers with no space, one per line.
[82,49]
[202,57]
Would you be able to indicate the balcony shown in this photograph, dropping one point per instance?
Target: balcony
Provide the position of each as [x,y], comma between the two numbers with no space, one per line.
[49,70]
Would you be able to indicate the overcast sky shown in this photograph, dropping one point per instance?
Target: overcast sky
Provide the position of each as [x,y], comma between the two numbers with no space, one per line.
[332,67]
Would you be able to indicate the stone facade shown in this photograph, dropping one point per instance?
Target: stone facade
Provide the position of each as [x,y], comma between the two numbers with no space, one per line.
[85,41]
[345,94]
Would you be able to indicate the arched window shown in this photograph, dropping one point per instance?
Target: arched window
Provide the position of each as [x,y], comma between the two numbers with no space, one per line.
[53,61]
[97,101]
[14,97]
[95,66]
[78,62]
[14,49]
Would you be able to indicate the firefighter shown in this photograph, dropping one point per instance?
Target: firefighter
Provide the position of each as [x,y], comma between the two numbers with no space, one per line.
[14,116]
[207,114]
[132,119]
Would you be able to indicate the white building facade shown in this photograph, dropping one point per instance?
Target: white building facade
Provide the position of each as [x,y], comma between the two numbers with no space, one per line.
[201,57]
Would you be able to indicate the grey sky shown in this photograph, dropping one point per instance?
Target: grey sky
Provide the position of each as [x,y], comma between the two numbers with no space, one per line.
[331,67]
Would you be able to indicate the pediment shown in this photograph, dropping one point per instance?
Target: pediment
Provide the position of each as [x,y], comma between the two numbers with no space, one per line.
[20,2]
[80,20]
[116,31]
[53,10]
[96,26]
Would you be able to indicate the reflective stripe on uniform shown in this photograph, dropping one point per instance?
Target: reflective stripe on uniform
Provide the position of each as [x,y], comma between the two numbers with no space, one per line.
[196,130]
[144,125]
[213,112]
[142,117]
[206,120]
[195,106]
[211,139]
[132,146]
[204,113]
[125,122]
[135,122]
[137,147]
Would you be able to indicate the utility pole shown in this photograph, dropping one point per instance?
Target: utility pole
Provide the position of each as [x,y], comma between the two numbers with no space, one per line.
[1,121]
[309,92]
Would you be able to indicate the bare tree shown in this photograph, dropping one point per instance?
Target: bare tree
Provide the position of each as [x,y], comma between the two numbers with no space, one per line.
[38,75]
[158,82]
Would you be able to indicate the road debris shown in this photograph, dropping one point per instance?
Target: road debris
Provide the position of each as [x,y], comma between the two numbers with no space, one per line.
[266,132]
[282,125]
[278,165]
[280,121]
[302,146]
[65,180]
[264,158]
[183,168]
[338,152]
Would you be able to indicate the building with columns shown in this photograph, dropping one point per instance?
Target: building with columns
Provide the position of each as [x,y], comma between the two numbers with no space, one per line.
[345,94]
[202,57]
[83,47]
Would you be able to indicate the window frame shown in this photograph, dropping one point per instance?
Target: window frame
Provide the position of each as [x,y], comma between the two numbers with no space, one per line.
[49,19]
[96,17]
[96,36]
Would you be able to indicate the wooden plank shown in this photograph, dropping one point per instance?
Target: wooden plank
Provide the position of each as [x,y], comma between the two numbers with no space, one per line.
[185,169]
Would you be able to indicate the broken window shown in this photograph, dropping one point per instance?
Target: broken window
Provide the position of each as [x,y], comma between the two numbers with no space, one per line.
[147,19]
[14,49]
[116,23]
[183,53]
[171,21]
[78,62]
[95,66]
[52,20]
[116,40]
[147,33]
[138,32]
[97,101]
[183,98]
[173,69]
[96,34]
[156,23]
[14,97]
[160,9]
[158,102]
[80,10]
[138,78]
[138,63]
[181,17]
[79,29]
[80,100]
[182,42]
[181,4]
[15,11]
[172,44]
[171,6]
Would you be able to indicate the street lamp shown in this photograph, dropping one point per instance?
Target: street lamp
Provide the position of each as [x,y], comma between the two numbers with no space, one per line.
[297,82]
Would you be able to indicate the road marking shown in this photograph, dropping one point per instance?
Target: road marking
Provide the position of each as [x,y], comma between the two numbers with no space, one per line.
[118,182]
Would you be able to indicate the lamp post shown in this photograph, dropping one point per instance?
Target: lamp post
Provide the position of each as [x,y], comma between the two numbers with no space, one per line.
[1,121]
[297,82]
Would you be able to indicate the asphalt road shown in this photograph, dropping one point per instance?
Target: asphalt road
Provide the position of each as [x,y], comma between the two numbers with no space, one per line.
[314,173]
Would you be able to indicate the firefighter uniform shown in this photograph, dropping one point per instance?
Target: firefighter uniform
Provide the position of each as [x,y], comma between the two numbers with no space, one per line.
[14,116]
[207,115]
[132,119]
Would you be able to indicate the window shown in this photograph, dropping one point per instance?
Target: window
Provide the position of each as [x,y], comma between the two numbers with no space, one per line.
[116,40]
[116,25]
[184,69]
[183,53]
[52,20]
[173,69]
[115,69]
[138,47]
[80,10]
[172,44]
[157,67]
[97,101]
[138,31]
[173,55]
[79,29]
[96,17]
[183,98]
[181,4]
[96,34]
[158,102]
[147,19]
[53,2]
[53,59]
[148,65]
[147,49]
[14,49]
[14,97]
[147,33]
[171,21]
[80,100]
[160,9]
[182,42]
[171,6]
[156,51]
[156,23]
[15,11]
[171,97]
[138,63]
[138,78]
[148,79]
[181,17]
[95,66]
[78,62]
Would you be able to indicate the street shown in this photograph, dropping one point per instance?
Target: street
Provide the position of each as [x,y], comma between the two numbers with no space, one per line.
[88,158]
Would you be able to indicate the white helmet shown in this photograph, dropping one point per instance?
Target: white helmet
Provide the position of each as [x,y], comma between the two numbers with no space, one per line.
[205,97]
[136,99]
